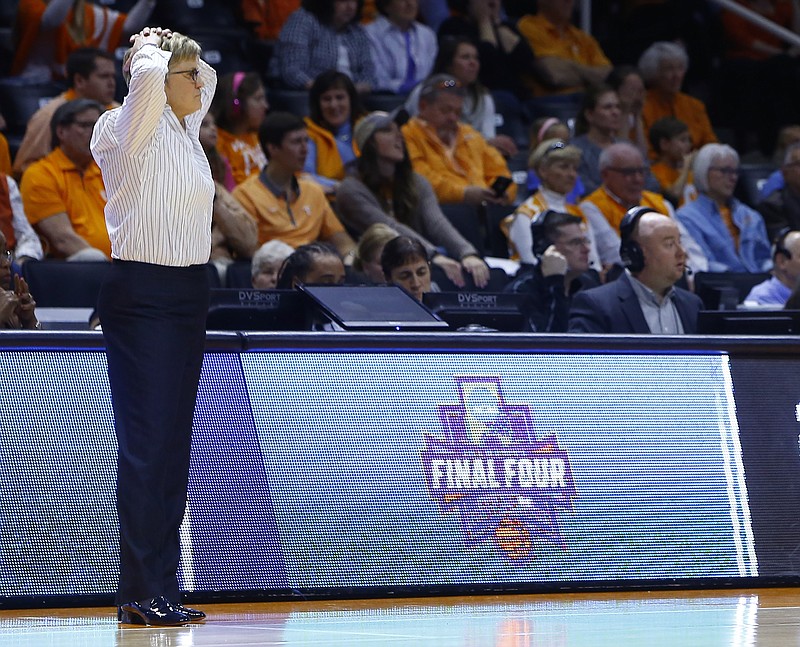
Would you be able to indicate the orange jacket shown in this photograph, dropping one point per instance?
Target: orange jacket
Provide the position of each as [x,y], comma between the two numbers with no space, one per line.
[474,161]
[329,162]
[615,211]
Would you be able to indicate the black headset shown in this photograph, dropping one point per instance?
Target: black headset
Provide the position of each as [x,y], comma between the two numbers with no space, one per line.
[779,244]
[539,232]
[629,250]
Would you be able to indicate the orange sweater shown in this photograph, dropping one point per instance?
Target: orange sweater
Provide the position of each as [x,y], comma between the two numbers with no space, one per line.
[614,211]
[689,110]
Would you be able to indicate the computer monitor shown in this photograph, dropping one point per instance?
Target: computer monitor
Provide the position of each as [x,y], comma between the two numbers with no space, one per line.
[725,290]
[264,310]
[748,322]
[502,312]
[372,307]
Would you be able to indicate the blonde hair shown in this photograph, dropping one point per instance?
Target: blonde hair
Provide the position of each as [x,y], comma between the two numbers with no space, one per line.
[371,242]
[182,48]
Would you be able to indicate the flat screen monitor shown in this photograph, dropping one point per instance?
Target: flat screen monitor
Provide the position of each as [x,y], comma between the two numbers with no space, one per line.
[264,310]
[725,290]
[502,312]
[748,322]
[372,307]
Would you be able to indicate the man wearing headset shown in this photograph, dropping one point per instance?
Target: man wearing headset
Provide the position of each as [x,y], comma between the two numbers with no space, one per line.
[644,298]
[562,249]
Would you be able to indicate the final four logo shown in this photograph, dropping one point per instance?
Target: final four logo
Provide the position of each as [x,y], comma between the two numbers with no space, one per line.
[491,469]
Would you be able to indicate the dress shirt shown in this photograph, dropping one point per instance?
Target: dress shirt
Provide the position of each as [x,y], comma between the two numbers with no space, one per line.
[769,293]
[661,315]
[390,53]
[157,177]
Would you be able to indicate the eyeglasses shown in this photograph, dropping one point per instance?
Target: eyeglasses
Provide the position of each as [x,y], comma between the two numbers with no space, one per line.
[629,171]
[192,75]
[6,257]
[725,170]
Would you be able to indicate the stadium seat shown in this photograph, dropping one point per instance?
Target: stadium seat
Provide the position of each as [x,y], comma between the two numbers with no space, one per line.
[512,119]
[238,275]
[725,290]
[751,178]
[294,101]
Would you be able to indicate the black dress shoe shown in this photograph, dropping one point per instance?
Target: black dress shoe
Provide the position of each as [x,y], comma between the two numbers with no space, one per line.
[195,615]
[156,611]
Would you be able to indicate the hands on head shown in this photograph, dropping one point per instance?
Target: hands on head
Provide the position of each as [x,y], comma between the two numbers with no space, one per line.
[148,35]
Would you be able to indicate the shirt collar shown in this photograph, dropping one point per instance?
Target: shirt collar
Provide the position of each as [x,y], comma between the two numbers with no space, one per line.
[643,293]
[277,191]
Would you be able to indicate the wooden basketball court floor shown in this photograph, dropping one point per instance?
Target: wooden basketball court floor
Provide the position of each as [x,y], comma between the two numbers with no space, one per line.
[703,618]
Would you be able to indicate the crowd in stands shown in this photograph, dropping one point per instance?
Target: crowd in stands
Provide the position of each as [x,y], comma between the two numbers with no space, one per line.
[425,142]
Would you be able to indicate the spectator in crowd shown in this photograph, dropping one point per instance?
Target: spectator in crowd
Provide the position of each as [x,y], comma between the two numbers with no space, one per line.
[787,136]
[458,57]
[19,238]
[238,108]
[777,289]
[405,263]
[628,83]
[504,54]
[731,234]
[267,17]
[672,145]
[644,299]
[369,249]
[542,129]
[402,48]
[767,66]
[663,66]
[781,208]
[91,74]
[569,60]
[63,192]
[334,109]
[285,206]
[386,189]
[322,32]
[623,169]
[5,152]
[556,164]
[312,264]
[454,157]
[597,126]
[267,263]
[562,247]
[17,307]
[234,234]
[47,31]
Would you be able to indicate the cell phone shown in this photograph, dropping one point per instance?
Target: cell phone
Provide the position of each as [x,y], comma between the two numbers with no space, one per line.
[500,185]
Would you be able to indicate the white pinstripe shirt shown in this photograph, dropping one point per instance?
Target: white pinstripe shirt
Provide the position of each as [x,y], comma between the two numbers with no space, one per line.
[157,178]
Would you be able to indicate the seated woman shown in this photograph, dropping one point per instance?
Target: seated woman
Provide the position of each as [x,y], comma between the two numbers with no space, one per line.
[542,129]
[334,107]
[458,56]
[732,235]
[239,107]
[386,189]
[17,307]
[313,264]
[405,263]
[47,31]
[267,263]
[321,33]
[369,248]
[556,164]
[506,57]
[628,83]
[663,66]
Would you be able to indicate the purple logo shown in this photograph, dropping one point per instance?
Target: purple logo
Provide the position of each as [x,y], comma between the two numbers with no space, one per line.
[490,468]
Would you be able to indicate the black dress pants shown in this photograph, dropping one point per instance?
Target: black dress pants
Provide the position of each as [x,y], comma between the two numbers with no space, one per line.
[153,322]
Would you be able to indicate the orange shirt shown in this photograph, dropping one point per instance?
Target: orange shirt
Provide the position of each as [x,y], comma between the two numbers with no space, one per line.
[667,176]
[472,162]
[689,110]
[329,161]
[243,152]
[727,217]
[741,34]
[307,219]
[5,156]
[54,185]
[268,16]
[102,28]
[572,44]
